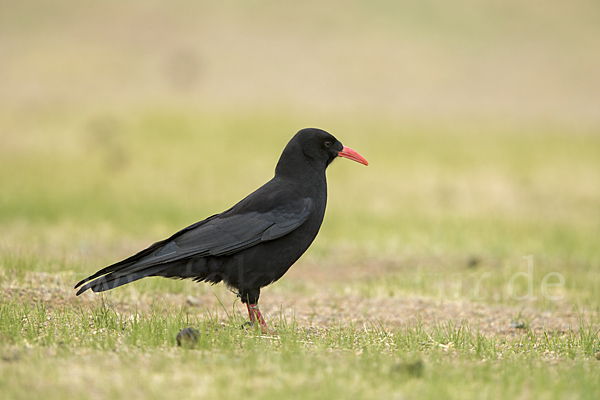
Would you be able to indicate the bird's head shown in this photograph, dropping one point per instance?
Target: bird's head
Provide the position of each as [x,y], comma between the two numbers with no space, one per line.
[313,147]
[322,146]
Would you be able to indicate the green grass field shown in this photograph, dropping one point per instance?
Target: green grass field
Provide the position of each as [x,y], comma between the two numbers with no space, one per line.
[462,263]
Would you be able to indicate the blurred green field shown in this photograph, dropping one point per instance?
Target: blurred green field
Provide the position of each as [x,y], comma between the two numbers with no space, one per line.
[123,122]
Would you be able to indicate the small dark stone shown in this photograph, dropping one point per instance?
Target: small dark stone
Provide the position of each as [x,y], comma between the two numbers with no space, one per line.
[473,262]
[188,337]
[414,369]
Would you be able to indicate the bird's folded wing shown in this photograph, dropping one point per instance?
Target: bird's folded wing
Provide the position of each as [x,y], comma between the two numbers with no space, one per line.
[229,234]
[219,235]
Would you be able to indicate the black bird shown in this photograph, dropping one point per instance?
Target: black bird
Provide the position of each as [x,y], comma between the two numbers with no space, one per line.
[255,242]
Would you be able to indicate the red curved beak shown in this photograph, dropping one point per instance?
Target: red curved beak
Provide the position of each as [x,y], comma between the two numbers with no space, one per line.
[350,154]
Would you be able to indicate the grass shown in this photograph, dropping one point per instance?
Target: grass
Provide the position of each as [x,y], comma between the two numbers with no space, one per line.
[96,351]
[122,123]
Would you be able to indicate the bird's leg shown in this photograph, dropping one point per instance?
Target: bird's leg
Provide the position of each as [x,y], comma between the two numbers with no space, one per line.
[255,315]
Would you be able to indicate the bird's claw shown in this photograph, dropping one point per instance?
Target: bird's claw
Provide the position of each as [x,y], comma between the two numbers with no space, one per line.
[247,324]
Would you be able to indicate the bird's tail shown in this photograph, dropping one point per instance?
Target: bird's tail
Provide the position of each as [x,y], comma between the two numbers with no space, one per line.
[128,271]
[122,276]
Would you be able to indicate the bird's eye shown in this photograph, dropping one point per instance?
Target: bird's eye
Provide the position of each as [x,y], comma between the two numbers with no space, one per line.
[328,143]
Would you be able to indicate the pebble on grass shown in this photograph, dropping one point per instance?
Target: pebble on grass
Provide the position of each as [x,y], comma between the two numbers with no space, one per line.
[188,337]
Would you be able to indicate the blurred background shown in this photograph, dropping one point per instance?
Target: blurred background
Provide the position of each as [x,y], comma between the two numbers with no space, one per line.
[417,59]
[122,121]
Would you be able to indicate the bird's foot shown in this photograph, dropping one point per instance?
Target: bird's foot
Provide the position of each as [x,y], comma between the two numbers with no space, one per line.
[256,317]
[247,324]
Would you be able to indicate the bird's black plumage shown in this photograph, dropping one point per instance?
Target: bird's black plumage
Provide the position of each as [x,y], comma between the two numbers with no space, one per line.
[253,243]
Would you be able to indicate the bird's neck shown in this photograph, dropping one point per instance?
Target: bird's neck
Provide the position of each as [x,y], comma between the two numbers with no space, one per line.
[299,168]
